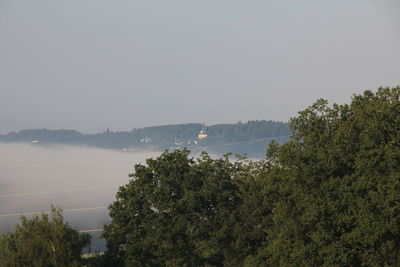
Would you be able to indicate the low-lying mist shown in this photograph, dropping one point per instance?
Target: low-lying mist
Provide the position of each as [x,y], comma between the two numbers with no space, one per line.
[33,177]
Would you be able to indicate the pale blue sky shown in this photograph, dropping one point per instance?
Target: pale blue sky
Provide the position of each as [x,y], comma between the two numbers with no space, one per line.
[93,64]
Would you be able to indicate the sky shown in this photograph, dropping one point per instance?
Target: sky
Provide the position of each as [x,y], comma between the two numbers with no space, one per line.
[96,64]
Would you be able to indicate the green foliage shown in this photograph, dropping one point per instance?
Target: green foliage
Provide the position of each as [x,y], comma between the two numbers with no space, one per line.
[327,197]
[42,241]
[180,212]
[336,185]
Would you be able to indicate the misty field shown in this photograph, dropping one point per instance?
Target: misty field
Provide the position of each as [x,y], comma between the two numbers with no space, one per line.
[80,180]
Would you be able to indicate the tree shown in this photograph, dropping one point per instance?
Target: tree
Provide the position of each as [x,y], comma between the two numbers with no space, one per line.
[43,241]
[179,212]
[327,197]
[336,185]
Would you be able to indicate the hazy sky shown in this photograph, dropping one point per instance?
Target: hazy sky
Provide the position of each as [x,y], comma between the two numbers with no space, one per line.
[93,64]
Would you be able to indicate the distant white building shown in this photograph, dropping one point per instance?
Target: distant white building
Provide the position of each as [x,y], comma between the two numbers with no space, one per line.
[202,133]
[145,140]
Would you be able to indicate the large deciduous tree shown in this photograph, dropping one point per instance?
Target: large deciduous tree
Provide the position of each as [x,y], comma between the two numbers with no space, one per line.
[337,185]
[177,211]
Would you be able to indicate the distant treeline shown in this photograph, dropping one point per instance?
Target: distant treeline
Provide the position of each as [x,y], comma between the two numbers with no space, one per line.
[249,138]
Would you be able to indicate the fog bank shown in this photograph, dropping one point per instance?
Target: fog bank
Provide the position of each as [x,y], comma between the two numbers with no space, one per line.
[32,177]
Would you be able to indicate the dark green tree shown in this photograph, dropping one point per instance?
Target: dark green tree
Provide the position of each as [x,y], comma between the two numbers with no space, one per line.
[43,241]
[336,186]
[327,197]
[177,211]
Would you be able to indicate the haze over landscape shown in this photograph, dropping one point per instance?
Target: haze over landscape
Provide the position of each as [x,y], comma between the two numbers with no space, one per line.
[92,65]
[34,177]
[185,134]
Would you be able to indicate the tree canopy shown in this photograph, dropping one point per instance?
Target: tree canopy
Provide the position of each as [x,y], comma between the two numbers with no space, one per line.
[327,197]
[42,241]
[177,211]
[337,184]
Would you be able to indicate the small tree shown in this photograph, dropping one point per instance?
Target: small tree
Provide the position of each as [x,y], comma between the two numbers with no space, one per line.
[43,241]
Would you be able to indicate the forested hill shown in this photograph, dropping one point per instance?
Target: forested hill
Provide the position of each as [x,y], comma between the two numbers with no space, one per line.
[248,138]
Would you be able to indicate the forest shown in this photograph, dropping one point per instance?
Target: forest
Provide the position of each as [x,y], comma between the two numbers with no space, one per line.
[328,196]
[249,138]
